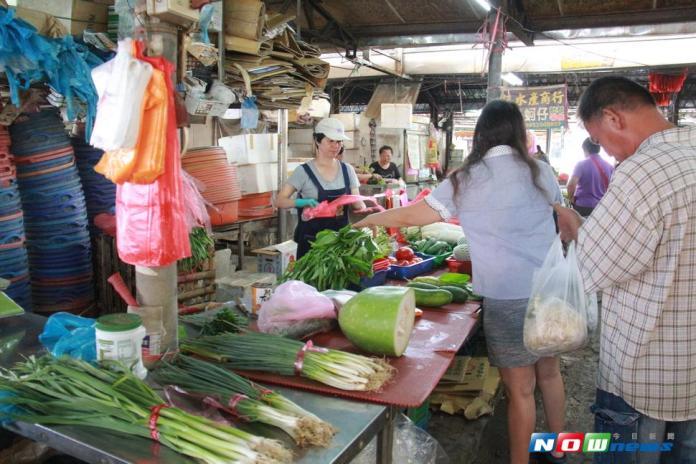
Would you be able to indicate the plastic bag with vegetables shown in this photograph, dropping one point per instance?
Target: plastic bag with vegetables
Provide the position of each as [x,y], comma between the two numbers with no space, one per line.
[294,309]
[559,312]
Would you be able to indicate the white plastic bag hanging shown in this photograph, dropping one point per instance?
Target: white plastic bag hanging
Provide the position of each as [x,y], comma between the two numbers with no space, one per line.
[559,312]
[120,84]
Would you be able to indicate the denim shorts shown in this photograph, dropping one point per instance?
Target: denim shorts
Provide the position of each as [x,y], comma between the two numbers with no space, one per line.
[660,441]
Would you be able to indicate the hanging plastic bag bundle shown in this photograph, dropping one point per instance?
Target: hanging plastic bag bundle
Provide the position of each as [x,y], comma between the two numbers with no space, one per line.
[151,218]
[121,85]
[559,312]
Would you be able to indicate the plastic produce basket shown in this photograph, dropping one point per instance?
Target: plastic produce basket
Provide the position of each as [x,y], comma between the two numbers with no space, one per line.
[439,260]
[377,279]
[409,272]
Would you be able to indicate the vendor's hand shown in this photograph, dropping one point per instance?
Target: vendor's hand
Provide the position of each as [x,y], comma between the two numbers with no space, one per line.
[302,202]
[569,222]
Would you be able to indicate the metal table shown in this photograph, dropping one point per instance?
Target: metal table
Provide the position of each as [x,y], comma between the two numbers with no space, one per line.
[358,422]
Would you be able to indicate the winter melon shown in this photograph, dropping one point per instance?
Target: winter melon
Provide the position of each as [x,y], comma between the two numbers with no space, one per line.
[379,320]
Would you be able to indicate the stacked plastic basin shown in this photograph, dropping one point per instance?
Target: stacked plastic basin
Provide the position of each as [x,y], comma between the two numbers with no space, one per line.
[14,263]
[55,214]
[100,192]
[220,181]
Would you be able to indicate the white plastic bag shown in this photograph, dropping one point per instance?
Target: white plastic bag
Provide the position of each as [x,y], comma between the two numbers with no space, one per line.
[291,302]
[559,312]
[120,84]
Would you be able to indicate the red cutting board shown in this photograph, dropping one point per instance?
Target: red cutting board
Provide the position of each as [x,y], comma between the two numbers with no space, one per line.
[436,338]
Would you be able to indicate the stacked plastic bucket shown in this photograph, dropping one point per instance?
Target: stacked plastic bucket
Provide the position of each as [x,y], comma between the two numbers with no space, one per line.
[222,189]
[100,192]
[14,264]
[55,214]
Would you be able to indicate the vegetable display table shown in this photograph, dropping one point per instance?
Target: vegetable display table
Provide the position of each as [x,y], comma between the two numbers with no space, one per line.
[357,422]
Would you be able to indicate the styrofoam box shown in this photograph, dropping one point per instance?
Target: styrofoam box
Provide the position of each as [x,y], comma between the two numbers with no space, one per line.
[350,121]
[258,178]
[300,150]
[300,136]
[396,115]
[250,148]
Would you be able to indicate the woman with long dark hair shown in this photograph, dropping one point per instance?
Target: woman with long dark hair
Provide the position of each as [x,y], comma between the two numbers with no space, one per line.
[502,198]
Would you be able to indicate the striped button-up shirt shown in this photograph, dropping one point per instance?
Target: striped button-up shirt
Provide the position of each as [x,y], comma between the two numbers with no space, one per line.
[639,247]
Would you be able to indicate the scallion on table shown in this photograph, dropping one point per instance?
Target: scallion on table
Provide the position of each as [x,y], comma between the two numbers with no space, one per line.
[269,353]
[257,404]
[67,391]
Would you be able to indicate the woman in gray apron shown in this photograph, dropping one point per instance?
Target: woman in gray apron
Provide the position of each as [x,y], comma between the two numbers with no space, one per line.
[323,178]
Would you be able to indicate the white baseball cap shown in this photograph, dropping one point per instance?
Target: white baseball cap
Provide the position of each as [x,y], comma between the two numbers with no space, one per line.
[331,128]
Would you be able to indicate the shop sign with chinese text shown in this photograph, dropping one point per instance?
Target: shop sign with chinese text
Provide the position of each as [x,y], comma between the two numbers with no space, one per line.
[542,107]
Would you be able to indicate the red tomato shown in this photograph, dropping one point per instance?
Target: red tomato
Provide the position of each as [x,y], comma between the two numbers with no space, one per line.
[404,253]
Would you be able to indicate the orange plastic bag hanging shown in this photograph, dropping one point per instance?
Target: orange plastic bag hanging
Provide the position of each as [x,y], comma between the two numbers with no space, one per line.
[150,218]
[144,163]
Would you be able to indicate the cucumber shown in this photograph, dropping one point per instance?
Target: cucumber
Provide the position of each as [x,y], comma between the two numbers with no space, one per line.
[432,298]
[428,280]
[422,285]
[459,295]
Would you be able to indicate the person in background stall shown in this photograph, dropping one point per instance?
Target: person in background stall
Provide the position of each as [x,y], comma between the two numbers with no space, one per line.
[590,180]
[384,168]
[502,199]
[324,178]
[540,155]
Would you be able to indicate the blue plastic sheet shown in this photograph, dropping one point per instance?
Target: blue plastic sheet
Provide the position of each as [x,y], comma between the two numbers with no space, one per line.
[27,57]
[67,334]
[204,23]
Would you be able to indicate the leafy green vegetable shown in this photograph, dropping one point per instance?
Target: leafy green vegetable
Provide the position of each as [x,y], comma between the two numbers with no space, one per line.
[202,248]
[336,259]
[225,320]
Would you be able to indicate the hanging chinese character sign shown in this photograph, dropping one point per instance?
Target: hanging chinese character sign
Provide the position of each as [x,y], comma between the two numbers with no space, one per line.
[542,107]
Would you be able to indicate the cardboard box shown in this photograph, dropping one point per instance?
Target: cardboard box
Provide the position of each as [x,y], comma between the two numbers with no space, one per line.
[75,15]
[276,258]
[249,289]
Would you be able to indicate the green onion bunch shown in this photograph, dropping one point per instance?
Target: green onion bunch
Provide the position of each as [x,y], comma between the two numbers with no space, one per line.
[269,353]
[225,320]
[259,404]
[73,392]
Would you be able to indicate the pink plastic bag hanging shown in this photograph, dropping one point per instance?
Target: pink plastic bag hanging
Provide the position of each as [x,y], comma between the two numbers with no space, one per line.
[151,218]
[327,209]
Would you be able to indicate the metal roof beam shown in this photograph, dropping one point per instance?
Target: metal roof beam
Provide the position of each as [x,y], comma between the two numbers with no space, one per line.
[517,21]
[632,18]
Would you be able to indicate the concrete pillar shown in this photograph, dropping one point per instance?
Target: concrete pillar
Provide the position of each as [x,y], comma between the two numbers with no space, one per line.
[157,286]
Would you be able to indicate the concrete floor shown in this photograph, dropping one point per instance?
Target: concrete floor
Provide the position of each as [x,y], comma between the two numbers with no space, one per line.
[484,441]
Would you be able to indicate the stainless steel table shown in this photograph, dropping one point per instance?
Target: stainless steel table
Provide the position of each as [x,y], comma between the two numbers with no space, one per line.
[357,422]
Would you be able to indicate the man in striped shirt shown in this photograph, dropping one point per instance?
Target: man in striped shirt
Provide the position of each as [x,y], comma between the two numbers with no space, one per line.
[639,248]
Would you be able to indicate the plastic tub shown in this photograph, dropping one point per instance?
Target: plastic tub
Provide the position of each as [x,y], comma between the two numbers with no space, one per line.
[409,272]
[225,213]
[119,337]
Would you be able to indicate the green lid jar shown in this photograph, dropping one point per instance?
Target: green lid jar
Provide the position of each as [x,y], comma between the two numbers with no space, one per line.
[119,322]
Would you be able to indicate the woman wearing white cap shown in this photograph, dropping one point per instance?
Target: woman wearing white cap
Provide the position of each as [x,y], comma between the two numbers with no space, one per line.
[323,178]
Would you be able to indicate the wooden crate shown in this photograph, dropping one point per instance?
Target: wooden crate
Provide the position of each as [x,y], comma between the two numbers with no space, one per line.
[106,263]
[197,288]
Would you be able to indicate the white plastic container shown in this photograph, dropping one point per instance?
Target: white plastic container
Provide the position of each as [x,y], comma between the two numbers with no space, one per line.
[119,338]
